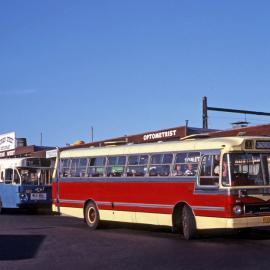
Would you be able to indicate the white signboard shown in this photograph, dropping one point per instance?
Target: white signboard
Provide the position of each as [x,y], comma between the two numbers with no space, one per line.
[7,141]
[51,153]
[159,135]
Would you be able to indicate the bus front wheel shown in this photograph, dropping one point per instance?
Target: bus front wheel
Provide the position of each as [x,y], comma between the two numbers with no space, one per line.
[188,223]
[91,215]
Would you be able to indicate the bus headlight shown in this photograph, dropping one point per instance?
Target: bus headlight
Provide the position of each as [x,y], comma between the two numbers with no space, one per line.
[237,209]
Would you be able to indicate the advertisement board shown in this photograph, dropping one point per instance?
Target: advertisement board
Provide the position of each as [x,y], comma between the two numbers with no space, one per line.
[51,153]
[7,141]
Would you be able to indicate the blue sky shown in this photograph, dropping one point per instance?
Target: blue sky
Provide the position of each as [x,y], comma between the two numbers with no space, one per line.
[127,67]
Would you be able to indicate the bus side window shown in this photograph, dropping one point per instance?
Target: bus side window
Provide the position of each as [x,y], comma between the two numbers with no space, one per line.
[73,167]
[65,167]
[96,167]
[2,177]
[137,165]
[16,179]
[186,164]
[209,175]
[81,167]
[160,164]
[8,176]
[116,166]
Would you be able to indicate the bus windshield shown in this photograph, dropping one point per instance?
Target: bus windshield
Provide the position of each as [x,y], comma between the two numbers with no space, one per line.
[246,169]
[34,176]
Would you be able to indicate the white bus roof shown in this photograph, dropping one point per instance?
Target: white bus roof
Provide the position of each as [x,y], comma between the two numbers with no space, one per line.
[11,162]
[225,143]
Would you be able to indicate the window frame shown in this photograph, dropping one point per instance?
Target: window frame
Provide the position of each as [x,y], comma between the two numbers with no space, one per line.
[96,166]
[145,165]
[199,177]
[148,165]
[186,163]
[107,165]
[160,164]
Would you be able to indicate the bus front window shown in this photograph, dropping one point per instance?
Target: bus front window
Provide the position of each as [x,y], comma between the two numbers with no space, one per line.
[16,177]
[246,169]
[34,176]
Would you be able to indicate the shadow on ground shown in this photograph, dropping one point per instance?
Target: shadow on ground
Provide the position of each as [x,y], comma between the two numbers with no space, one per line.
[19,247]
[30,211]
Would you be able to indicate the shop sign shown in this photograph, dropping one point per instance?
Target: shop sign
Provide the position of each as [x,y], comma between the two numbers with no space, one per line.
[7,141]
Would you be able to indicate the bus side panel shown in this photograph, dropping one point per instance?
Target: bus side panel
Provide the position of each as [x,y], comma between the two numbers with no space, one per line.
[9,195]
[153,197]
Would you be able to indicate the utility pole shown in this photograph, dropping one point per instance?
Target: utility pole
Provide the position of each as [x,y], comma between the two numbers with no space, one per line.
[92,133]
[205,110]
[204,113]
[40,138]
[186,128]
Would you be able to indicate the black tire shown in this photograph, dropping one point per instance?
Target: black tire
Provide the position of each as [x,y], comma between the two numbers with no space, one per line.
[188,223]
[91,215]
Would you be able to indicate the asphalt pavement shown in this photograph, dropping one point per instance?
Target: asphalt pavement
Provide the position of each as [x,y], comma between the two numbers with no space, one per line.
[44,241]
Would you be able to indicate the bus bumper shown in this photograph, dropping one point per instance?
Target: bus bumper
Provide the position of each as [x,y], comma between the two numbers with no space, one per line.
[231,223]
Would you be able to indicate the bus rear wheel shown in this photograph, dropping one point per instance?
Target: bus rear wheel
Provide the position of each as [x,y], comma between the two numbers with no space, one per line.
[188,223]
[91,215]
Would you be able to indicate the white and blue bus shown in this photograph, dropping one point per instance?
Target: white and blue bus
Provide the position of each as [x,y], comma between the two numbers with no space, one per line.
[25,183]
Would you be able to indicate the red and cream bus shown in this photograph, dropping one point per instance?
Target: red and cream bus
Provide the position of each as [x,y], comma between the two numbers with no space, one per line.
[190,185]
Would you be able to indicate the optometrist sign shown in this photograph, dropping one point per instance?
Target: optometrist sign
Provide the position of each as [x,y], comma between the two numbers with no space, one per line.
[7,141]
[160,135]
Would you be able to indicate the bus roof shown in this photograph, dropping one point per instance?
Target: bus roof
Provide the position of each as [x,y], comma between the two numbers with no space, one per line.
[11,162]
[236,143]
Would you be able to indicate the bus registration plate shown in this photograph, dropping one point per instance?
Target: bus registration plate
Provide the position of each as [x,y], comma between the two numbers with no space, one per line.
[266,219]
[38,196]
